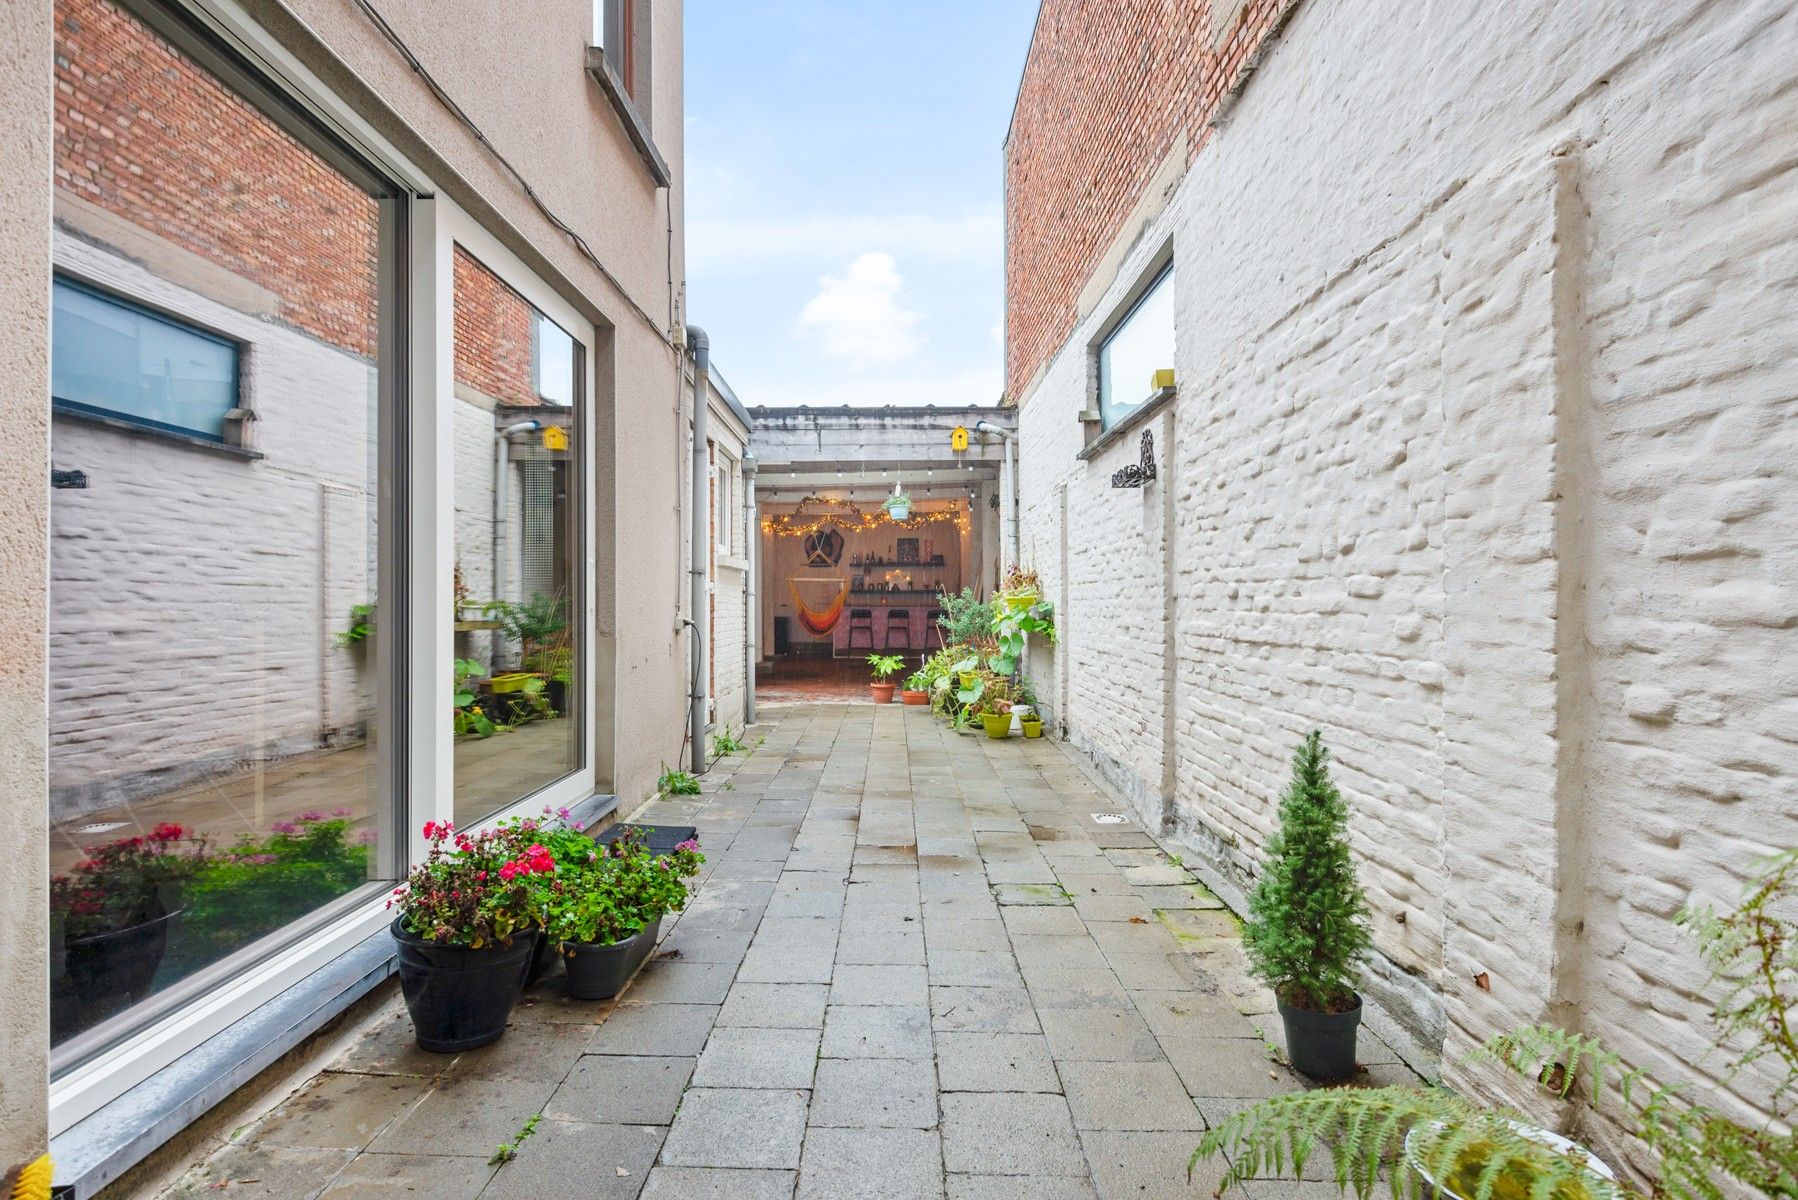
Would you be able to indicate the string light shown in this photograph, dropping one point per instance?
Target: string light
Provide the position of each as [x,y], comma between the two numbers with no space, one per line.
[801,522]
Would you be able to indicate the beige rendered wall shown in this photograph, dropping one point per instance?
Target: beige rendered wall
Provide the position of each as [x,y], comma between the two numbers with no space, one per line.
[1485,461]
[522,78]
[25,41]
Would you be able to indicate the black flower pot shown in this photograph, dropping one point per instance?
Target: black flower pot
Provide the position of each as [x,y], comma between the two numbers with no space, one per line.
[1321,1045]
[540,959]
[109,971]
[600,971]
[460,998]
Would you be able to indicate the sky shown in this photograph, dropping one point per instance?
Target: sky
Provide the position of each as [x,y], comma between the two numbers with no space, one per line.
[845,241]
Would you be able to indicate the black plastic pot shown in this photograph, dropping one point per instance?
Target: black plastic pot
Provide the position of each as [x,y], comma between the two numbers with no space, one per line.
[1321,1045]
[460,998]
[544,954]
[108,971]
[558,696]
[599,972]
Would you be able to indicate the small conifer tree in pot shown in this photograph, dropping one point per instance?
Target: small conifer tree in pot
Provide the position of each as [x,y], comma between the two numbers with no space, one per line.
[1307,927]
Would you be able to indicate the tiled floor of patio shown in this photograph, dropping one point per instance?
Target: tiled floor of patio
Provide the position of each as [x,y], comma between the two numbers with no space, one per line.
[917,966]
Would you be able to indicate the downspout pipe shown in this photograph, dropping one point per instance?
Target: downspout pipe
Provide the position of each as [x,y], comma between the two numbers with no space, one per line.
[699,345]
[502,478]
[752,621]
[1008,487]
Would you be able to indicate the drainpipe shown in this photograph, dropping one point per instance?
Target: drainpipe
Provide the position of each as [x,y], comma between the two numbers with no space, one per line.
[699,531]
[1008,488]
[752,622]
[502,474]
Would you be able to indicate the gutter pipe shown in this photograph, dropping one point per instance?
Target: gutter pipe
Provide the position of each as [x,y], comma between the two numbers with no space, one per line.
[700,345]
[502,476]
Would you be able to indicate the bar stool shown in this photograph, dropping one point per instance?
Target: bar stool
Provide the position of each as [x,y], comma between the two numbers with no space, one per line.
[898,633]
[861,620]
[933,629]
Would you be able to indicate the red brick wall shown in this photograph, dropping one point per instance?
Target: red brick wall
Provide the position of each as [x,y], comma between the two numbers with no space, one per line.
[493,334]
[147,135]
[1107,88]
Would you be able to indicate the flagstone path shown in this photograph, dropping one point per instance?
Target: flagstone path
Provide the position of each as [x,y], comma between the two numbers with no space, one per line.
[918,965]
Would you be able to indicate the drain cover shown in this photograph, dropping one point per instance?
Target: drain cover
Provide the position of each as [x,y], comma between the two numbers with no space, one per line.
[1108,818]
[100,827]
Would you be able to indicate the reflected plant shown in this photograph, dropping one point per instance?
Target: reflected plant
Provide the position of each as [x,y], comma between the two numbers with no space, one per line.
[362,625]
[117,884]
[533,624]
[468,717]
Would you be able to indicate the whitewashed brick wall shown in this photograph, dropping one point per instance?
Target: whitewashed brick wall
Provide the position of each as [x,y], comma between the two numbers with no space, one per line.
[1485,462]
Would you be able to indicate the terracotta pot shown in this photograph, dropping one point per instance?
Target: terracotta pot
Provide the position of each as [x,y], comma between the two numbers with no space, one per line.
[910,697]
[883,692]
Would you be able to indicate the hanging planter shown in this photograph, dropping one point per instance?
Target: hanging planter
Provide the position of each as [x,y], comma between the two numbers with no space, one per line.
[898,505]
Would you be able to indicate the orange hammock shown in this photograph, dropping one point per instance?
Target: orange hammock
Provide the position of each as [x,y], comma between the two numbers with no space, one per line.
[818,621]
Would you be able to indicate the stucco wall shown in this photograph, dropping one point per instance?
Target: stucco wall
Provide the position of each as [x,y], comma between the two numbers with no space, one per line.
[25,131]
[1482,462]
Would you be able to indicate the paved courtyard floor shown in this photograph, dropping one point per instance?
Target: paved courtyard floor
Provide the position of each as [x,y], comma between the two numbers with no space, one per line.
[919,964]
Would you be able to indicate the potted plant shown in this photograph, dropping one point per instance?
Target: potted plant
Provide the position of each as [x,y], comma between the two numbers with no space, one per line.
[1032,723]
[1307,926]
[898,505]
[604,912]
[466,930]
[115,911]
[1457,1149]
[885,667]
[917,689]
[997,697]
[1020,590]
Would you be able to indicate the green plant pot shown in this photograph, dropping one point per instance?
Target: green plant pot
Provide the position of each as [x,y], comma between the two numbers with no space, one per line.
[968,678]
[1033,729]
[514,682]
[998,725]
[1022,602]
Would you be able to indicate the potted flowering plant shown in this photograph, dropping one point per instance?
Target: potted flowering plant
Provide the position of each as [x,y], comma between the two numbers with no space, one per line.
[885,667]
[466,932]
[917,689]
[115,910]
[603,909]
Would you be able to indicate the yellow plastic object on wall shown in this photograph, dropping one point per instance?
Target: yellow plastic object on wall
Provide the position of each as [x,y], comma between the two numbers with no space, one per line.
[1161,380]
[958,440]
[555,437]
[34,1178]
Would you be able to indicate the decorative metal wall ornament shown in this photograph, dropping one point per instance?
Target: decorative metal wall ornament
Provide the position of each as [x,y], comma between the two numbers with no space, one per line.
[824,548]
[1137,474]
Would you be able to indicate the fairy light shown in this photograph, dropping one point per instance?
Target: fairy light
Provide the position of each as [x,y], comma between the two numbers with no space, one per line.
[802,522]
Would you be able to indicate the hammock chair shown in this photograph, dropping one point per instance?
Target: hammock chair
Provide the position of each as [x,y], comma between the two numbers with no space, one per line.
[818,621]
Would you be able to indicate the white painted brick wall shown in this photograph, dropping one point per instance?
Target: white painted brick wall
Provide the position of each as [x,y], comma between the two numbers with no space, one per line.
[193,598]
[1484,462]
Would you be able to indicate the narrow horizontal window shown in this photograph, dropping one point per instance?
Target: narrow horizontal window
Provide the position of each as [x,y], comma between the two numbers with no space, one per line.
[110,356]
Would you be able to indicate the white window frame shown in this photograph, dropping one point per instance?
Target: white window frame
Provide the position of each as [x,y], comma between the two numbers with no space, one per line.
[723,534]
[435,225]
[1159,274]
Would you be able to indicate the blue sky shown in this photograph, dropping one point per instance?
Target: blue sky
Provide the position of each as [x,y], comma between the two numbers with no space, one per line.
[844,236]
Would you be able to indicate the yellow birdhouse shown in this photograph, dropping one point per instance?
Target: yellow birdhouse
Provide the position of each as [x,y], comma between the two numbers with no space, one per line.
[555,437]
[958,440]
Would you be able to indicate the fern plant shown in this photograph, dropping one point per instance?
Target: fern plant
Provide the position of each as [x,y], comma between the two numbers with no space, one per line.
[1483,1153]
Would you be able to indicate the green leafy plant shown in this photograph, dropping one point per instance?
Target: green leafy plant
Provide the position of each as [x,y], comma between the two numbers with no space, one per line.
[1012,629]
[468,715]
[116,884]
[1307,927]
[677,783]
[474,891]
[509,1150]
[555,662]
[723,743]
[885,665]
[967,619]
[534,623]
[1485,1153]
[997,695]
[614,891]
[360,628]
[917,681]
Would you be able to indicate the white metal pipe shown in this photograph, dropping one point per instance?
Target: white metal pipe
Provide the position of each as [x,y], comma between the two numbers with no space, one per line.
[1008,489]
[700,531]
[502,472]
[752,545]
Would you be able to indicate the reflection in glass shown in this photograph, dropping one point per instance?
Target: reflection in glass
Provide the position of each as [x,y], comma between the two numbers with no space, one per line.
[516,438]
[213,607]
[1142,344]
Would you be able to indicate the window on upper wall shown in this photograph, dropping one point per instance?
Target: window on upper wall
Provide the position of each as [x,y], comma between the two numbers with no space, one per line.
[1138,346]
[615,31]
[111,357]
[721,521]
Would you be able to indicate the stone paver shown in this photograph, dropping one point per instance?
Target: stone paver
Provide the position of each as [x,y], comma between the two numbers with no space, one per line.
[915,967]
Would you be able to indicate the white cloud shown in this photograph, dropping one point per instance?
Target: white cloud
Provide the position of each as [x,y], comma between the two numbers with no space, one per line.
[721,243]
[858,315]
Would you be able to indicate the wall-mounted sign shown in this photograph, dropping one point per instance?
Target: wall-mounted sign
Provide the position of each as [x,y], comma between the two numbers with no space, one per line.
[555,437]
[958,439]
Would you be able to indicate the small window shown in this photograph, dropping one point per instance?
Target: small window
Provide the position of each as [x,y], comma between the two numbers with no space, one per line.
[111,357]
[615,32]
[1139,345]
[721,519]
